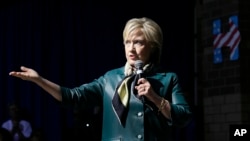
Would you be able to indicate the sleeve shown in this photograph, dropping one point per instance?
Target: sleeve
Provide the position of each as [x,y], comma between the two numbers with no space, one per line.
[180,110]
[86,94]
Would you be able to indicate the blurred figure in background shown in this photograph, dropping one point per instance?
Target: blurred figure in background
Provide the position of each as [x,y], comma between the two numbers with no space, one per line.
[19,128]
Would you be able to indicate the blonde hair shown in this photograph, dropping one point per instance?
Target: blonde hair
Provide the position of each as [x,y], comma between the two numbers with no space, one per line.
[152,32]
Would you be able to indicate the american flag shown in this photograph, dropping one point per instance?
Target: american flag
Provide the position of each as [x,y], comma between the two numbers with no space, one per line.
[229,39]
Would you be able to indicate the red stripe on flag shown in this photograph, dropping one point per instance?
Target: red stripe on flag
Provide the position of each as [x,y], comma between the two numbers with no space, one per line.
[232,33]
[235,44]
[218,38]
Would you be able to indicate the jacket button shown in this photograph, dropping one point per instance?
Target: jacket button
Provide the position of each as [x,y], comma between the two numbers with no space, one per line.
[139,136]
[139,114]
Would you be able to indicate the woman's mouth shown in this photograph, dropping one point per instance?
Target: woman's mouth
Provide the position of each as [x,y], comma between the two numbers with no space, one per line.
[133,57]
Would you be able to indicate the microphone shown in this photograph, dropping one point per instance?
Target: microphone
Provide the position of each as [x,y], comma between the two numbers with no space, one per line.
[139,68]
[139,73]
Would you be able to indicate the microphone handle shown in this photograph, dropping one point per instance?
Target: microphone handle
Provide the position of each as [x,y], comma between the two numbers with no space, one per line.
[142,99]
[140,76]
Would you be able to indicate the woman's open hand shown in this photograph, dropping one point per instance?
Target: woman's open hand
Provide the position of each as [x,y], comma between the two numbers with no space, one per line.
[25,74]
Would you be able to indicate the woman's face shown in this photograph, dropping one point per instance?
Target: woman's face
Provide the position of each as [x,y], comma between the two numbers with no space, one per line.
[137,48]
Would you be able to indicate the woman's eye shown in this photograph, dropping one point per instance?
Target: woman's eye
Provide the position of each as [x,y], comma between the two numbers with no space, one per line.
[127,42]
[139,43]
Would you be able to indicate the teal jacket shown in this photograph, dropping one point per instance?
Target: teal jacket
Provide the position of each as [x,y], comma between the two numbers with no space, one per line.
[143,122]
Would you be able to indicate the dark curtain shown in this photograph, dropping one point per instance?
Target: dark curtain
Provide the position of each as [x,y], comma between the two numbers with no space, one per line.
[72,42]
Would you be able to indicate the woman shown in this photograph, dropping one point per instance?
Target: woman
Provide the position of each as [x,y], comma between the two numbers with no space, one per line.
[149,109]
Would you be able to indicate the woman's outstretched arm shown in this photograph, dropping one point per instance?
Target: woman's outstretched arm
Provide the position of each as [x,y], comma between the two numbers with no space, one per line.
[29,74]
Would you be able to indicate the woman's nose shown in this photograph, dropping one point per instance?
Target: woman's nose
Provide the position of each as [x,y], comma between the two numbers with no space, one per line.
[131,47]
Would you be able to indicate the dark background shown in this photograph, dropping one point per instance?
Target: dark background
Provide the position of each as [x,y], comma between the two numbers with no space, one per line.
[73,41]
